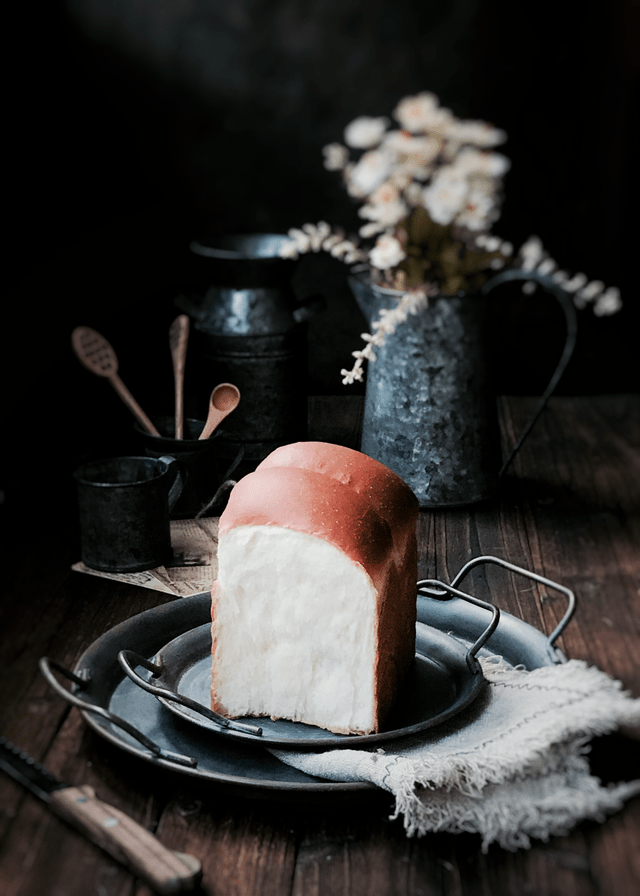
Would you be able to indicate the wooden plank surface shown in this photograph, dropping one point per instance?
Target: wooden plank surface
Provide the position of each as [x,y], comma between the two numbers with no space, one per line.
[569,509]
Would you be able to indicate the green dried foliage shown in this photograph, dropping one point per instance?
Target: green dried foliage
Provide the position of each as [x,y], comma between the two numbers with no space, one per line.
[437,253]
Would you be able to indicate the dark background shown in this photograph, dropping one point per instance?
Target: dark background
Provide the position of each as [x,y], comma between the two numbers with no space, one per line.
[136,125]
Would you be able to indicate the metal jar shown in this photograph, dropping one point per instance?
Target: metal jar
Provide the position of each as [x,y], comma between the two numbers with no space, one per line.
[250,330]
[430,410]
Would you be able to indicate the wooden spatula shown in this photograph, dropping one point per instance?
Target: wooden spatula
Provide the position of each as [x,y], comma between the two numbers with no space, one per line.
[98,356]
[178,338]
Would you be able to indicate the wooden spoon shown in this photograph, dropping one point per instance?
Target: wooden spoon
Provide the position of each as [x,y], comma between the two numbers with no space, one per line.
[98,356]
[224,399]
[178,338]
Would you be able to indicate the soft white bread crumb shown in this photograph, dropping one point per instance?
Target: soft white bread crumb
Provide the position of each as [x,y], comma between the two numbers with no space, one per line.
[303,616]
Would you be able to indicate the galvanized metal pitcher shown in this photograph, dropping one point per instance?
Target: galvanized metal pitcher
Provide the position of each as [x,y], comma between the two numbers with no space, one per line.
[430,413]
[250,330]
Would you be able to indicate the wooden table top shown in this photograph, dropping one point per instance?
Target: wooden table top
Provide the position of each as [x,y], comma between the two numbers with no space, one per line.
[569,510]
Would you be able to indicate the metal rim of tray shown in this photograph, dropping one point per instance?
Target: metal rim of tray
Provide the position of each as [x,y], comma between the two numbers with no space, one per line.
[116,709]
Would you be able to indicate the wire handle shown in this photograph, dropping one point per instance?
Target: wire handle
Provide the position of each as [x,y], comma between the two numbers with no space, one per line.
[571,598]
[571,320]
[46,665]
[128,659]
[440,590]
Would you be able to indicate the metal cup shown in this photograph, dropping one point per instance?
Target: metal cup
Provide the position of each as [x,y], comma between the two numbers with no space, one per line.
[202,462]
[124,505]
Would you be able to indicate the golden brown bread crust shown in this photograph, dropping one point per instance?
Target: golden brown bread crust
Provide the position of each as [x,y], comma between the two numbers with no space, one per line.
[387,493]
[361,507]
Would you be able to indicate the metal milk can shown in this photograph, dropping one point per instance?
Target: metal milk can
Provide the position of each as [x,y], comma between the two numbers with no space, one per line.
[249,329]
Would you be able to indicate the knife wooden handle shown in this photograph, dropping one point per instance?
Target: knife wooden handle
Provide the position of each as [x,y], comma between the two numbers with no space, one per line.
[126,841]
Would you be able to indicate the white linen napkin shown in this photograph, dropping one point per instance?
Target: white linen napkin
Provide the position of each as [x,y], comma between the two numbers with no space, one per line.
[511,767]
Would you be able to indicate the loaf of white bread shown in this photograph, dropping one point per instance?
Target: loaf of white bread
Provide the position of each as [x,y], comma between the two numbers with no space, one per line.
[314,607]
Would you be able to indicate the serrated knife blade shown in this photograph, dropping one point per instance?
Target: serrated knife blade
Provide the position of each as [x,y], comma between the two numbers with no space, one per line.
[109,828]
[26,771]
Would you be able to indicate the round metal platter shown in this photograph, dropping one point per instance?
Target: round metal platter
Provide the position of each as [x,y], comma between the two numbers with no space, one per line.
[439,685]
[234,762]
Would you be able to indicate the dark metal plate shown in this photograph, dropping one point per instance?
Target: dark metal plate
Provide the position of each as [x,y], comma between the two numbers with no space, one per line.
[439,686]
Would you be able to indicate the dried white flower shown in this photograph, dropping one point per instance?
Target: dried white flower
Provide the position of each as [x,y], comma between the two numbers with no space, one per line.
[300,239]
[591,291]
[422,113]
[339,250]
[389,319]
[387,253]
[445,196]
[478,212]
[531,253]
[488,164]
[365,132]
[373,228]
[320,237]
[316,233]
[336,156]
[289,250]
[446,167]
[375,338]
[478,133]
[560,277]
[350,376]
[414,156]
[402,143]
[608,303]
[532,257]
[386,194]
[335,237]
[547,266]
[413,194]
[354,255]
[385,205]
[575,283]
[387,213]
[490,243]
[372,170]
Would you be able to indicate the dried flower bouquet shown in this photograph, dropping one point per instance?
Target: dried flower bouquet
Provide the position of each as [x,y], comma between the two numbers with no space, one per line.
[431,191]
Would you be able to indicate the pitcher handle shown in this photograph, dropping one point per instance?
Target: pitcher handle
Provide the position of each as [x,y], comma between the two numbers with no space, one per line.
[566,303]
[177,479]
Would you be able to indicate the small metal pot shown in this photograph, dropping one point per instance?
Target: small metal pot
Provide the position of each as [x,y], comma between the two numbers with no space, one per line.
[124,505]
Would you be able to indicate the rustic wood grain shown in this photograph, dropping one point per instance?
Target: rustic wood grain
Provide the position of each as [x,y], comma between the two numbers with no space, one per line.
[569,509]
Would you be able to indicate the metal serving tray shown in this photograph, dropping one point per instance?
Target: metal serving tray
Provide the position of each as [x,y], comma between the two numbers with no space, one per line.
[135,720]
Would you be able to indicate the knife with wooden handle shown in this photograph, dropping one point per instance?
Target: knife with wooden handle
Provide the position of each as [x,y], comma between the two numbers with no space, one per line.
[109,828]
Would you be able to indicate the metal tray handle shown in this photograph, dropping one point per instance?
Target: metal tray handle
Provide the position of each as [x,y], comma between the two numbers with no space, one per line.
[441,591]
[571,598]
[128,659]
[46,665]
